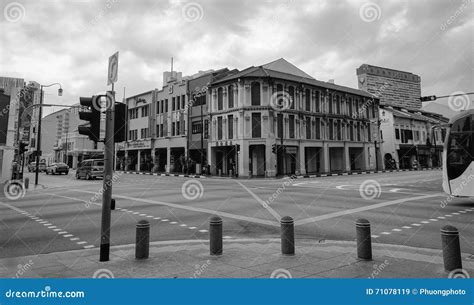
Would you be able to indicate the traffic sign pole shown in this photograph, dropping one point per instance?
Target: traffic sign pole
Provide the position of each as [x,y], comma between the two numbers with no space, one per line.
[107,184]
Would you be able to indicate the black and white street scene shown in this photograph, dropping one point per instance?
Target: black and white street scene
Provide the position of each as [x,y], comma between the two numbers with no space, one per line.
[237,139]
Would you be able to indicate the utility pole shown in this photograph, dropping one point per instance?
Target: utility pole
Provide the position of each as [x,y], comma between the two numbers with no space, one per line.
[108,171]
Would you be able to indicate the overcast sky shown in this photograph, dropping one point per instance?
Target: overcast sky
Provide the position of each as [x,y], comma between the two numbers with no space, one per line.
[70,41]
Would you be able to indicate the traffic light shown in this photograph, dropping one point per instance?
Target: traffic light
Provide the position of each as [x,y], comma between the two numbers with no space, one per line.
[120,122]
[428,98]
[274,148]
[22,148]
[91,129]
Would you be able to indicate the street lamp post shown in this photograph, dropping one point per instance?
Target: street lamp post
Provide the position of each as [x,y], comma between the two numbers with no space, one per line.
[38,135]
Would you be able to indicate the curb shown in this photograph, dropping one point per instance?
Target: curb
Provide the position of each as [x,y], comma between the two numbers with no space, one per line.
[161,175]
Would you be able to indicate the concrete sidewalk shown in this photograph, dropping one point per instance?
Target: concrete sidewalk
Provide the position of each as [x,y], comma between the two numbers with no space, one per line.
[249,258]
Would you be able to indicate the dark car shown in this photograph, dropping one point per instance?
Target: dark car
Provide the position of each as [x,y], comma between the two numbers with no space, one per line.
[32,167]
[90,169]
[57,168]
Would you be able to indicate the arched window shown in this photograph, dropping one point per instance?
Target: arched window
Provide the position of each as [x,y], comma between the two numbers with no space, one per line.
[291,92]
[255,93]
[230,94]
[220,99]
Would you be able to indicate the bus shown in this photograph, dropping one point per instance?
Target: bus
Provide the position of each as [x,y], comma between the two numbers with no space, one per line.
[458,156]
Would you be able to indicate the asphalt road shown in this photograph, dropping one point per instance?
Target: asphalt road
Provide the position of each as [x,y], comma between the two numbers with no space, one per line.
[404,208]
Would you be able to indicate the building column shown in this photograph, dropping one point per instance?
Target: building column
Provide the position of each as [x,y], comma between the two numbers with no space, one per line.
[302,160]
[74,161]
[270,160]
[325,162]
[168,159]
[125,166]
[137,168]
[244,159]
[347,161]
[366,158]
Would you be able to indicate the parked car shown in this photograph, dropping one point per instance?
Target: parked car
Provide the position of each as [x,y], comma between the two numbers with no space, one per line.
[90,169]
[32,167]
[57,168]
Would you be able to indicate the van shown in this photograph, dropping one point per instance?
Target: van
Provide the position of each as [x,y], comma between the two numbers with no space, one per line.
[90,169]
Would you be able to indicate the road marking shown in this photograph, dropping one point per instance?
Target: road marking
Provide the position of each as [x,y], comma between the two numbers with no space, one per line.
[396,230]
[447,215]
[52,227]
[62,232]
[57,229]
[227,237]
[150,216]
[406,227]
[164,220]
[441,217]
[203,231]
[416,224]
[47,224]
[88,246]
[183,225]
[455,213]
[196,209]
[173,222]
[75,238]
[385,233]
[425,222]
[136,213]
[362,209]
[157,218]
[192,228]
[394,190]
[81,242]
[263,203]
[68,235]
[142,215]
[462,212]
[375,236]
[432,219]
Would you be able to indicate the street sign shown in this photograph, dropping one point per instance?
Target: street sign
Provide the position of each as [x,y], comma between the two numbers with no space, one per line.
[112,73]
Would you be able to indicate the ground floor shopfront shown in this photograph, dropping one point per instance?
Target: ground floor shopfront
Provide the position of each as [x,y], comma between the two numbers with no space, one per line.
[410,156]
[256,158]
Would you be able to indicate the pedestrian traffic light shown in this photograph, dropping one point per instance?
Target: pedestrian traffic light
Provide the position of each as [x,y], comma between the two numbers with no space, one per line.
[274,148]
[428,98]
[92,115]
[120,122]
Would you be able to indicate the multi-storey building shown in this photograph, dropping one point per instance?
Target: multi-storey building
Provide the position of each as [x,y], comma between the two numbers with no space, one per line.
[313,126]
[409,136]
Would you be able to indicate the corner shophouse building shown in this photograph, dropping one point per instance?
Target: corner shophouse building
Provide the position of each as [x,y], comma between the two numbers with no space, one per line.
[157,122]
[326,128]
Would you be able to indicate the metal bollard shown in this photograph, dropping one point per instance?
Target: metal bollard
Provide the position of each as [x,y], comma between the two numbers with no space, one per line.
[27,183]
[112,204]
[451,248]
[215,235]
[364,239]
[142,242]
[287,236]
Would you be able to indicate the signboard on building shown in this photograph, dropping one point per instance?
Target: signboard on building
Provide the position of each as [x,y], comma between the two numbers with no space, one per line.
[142,144]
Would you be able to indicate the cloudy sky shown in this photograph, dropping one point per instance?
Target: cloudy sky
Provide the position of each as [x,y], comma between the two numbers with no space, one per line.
[70,41]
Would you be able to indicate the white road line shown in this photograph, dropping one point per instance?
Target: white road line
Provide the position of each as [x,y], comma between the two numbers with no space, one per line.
[227,237]
[142,215]
[192,228]
[432,219]
[75,238]
[203,231]
[81,242]
[57,229]
[263,203]
[196,209]
[136,213]
[88,246]
[375,236]
[47,224]
[455,213]
[150,216]
[385,233]
[183,225]
[406,227]
[447,215]
[52,227]
[157,218]
[362,209]
[396,230]
[68,235]
[462,212]
[165,220]
[441,217]
[173,222]
[425,222]
[62,232]
[416,224]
